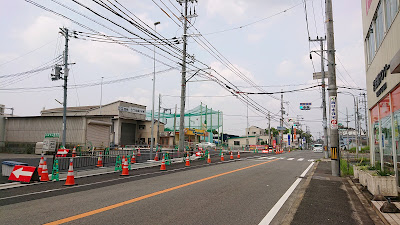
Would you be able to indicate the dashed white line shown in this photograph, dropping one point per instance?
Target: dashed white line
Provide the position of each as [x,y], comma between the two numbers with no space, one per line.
[301,159]
[290,159]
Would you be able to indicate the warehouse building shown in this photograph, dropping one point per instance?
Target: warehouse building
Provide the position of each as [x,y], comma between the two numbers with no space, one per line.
[118,123]
[381,33]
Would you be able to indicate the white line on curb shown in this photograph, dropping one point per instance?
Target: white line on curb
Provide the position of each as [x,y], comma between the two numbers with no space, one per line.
[272,213]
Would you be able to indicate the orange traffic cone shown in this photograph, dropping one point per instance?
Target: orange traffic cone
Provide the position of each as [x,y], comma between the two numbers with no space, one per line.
[231,157]
[222,156]
[74,152]
[238,155]
[208,159]
[138,152]
[70,176]
[133,160]
[163,164]
[40,168]
[45,172]
[125,170]
[100,161]
[156,157]
[187,161]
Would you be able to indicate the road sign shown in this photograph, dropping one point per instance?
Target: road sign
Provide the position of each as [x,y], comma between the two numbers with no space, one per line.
[318,76]
[24,174]
[62,152]
[333,113]
[288,139]
[52,135]
[281,128]
[334,153]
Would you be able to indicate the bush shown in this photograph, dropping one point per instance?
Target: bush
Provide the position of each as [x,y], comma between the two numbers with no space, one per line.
[384,172]
[346,169]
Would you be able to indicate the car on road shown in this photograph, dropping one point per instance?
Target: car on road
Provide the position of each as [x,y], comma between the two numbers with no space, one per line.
[206,145]
[317,148]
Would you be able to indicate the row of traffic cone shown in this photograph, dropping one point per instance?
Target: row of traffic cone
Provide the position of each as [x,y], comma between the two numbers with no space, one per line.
[44,173]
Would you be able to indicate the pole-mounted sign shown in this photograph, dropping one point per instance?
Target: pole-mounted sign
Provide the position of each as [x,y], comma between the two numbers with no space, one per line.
[333,113]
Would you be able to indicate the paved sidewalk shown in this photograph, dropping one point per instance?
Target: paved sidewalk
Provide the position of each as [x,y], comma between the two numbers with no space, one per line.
[332,200]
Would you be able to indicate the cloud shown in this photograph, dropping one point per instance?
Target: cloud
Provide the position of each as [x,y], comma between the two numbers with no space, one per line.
[139,96]
[230,75]
[285,68]
[43,29]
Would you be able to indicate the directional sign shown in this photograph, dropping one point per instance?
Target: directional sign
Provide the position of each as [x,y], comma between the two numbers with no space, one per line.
[52,135]
[288,138]
[24,174]
[62,152]
[281,128]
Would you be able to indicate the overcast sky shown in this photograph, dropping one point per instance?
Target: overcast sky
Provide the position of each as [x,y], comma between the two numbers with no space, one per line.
[259,38]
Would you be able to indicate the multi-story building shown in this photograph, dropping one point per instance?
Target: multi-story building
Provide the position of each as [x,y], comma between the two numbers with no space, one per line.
[381,33]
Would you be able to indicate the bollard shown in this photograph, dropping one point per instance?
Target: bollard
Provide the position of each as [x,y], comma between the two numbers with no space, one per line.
[54,173]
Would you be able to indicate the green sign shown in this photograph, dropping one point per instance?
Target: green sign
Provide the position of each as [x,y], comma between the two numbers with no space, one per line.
[52,135]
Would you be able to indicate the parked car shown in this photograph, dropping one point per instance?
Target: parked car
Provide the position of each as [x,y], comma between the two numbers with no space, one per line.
[206,145]
[317,148]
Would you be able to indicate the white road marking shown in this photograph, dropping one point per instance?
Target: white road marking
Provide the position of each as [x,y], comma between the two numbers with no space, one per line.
[281,157]
[272,213]
[301,159]
[311,160]
[290,158]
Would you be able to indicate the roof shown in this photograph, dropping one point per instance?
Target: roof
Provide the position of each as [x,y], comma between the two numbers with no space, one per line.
[84,108]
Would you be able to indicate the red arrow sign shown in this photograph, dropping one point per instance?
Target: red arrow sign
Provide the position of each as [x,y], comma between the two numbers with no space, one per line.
[62,152]
[22,173]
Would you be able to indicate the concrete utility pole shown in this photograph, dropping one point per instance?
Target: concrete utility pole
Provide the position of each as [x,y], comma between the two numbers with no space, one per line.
[281,120]
[64,31]
[158,122]
[183,83]
[347,121]
[101,93]
[324,120]
[334,140]
[247,127]
[358,126]
[365,117]
[154,91]
[269,128]
[174,141]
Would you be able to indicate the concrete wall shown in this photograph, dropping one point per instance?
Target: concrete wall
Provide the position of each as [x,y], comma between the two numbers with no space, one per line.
[33,129]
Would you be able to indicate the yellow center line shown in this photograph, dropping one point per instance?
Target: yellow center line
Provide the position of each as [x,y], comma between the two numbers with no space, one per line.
[96,211]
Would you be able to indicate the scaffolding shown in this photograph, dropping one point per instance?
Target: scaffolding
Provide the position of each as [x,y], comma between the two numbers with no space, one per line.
[200,117]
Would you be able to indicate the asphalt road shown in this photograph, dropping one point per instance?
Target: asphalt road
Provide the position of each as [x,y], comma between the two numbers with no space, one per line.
[233,192]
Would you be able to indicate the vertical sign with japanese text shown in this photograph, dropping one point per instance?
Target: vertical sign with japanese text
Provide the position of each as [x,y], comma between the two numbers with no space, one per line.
[333,113]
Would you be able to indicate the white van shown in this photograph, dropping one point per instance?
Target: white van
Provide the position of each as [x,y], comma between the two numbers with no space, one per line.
[317,148]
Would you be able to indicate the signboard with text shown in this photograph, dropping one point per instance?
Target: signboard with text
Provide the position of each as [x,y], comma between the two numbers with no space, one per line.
[333,113]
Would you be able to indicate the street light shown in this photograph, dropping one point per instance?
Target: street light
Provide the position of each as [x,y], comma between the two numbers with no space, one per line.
[154,89]
[355,119]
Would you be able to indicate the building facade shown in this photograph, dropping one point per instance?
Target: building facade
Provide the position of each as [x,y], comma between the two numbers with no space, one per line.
[118,123]
[381,33]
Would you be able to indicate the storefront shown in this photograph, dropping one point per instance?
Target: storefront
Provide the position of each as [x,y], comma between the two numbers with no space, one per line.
[381,32]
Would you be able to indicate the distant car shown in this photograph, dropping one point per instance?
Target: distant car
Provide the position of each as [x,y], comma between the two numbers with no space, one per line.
[317,148]
[206,145]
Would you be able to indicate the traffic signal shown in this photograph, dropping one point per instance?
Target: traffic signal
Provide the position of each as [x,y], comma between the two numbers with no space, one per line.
[305,106]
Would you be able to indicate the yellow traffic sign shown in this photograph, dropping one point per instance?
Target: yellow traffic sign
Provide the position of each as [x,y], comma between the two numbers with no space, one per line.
[334,153]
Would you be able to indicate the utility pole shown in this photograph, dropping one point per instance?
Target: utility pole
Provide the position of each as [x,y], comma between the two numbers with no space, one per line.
[64,31]
[347,121]
[324,120]
[154,90]
[101,93]
[174,141]
[158,122]
[358,127]
[269,128]
[334,140]
[281,121]
[183,82]
[247,127]
[365,117]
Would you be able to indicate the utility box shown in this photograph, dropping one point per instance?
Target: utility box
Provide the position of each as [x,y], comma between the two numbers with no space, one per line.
[39,148]
[8,166]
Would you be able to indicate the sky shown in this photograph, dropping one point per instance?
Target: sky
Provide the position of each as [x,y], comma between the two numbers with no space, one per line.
[265,41]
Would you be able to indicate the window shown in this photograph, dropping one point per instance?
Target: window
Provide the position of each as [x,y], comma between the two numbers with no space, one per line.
[236,142]
[371,45]
[386,132]
[379,26]
[396,122]
[391,11]
[142,127]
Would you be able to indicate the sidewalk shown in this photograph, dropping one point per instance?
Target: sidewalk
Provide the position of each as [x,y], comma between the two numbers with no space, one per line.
[332,200]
